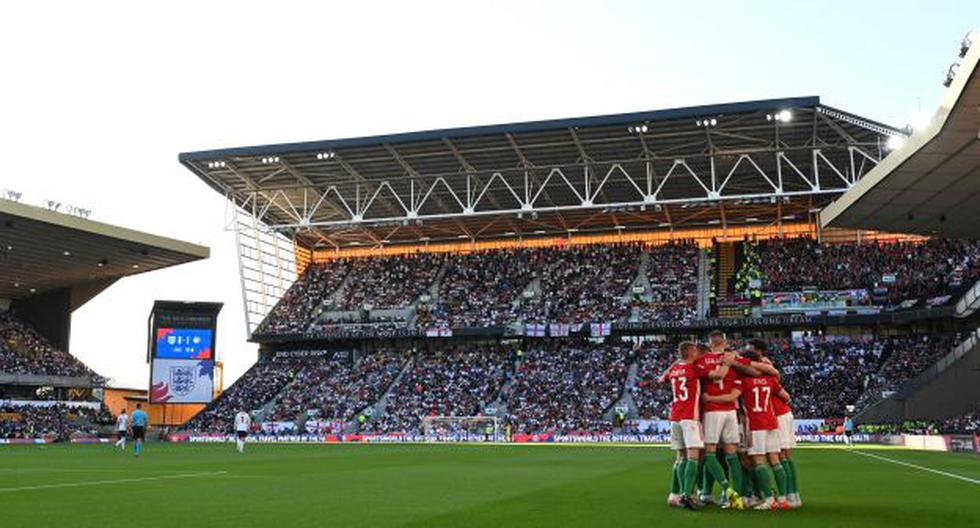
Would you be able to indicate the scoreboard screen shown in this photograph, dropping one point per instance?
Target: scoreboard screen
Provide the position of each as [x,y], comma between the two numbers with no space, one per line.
[184,343]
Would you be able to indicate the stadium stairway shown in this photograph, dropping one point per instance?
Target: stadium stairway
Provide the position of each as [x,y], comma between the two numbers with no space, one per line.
[704,282]
[626,396]
[381,406]
[641,279]
[268,407]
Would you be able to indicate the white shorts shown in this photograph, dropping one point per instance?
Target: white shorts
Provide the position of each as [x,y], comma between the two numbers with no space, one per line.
[762,442]
[686,434]
[787,431]
[720,426]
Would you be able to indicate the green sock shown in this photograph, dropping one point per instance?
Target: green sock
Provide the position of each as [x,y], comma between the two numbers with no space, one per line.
[780,475]
[690,478]
[789,476]
[734,471]
[713,469]
[707,479]
[794,483]
[748,482]
[763,480]
[675,477]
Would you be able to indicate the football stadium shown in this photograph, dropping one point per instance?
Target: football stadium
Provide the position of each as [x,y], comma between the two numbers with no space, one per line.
[681,316]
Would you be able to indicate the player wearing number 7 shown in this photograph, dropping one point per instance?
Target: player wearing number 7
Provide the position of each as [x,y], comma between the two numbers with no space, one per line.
[685,377]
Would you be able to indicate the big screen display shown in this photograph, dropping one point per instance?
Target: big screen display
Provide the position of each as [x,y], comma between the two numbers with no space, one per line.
[184,343]
[182,381]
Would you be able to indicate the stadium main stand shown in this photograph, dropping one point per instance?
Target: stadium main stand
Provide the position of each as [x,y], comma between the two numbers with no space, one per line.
[479,274]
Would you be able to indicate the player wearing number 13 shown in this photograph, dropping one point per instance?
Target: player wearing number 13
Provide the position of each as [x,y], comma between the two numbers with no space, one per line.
[685,377]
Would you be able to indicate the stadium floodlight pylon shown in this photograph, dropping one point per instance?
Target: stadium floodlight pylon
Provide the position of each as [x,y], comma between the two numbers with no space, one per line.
[461,429]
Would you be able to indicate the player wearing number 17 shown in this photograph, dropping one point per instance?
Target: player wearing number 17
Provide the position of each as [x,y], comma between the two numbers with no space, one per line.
[757,395]
[685,377]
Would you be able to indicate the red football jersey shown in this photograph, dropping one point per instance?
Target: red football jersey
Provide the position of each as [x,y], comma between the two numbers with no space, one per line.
[720,387]
[757,396]
[779,407]
[685,385]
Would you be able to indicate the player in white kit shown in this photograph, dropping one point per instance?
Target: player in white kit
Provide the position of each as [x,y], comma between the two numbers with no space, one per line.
[242,424]
[122,424]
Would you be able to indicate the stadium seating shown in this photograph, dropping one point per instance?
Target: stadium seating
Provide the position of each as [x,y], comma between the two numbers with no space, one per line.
[58,421]
[915,269]
[334,390]
[24,351]
[555,385]
[254,389]
[565,387]
[574,284]
[459,381]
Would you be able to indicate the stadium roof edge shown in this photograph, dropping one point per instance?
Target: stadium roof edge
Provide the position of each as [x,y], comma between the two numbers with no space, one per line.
[923,183]
[103,229]
[520,127]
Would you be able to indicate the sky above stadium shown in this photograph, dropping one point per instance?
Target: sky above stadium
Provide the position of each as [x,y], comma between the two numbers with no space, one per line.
[99,97]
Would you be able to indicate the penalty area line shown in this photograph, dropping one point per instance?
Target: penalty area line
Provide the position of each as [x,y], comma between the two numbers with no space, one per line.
[114,481]
[916,466]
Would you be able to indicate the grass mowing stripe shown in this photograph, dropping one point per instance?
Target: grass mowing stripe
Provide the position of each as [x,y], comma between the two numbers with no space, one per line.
[114,481]
[916,466]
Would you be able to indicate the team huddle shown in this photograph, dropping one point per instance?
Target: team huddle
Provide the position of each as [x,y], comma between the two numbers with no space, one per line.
[734,401]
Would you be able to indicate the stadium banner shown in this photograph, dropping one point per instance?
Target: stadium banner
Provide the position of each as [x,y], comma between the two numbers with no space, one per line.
[559,329]
[534,330]
[303,354]
[90,440]
[28,441]
[817,301]
[181,381]
[600,329]
[95,406]
[963,443]
[278,427]
[925,442]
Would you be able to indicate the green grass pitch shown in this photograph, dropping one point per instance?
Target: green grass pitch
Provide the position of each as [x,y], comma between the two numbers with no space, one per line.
[283,486]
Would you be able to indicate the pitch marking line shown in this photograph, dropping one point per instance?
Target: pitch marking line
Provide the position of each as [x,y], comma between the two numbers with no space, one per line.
[916,466]
[115,481]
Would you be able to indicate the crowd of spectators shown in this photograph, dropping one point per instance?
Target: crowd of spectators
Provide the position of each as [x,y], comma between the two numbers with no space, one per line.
[458,381]
[334,390]
[481,289]
[254,389]
[389,282]
[303,301]
[571,284]
[582,284]
[564,386]
[24,351]
[904,359]
[968,423]
[558,385]
[672,270]
[920,269]
[58,421]
[651,397]
[822,375]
